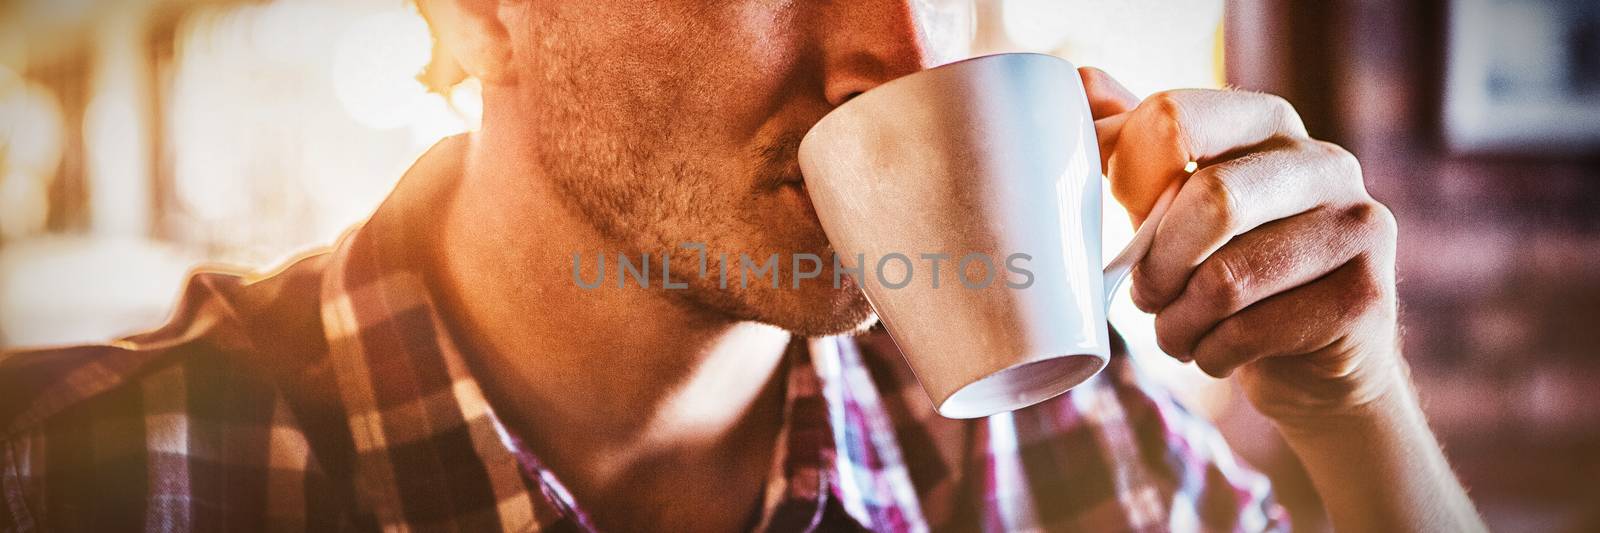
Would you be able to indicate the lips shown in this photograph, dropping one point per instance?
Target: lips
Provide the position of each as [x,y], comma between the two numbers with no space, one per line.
[792,175]
[801,196]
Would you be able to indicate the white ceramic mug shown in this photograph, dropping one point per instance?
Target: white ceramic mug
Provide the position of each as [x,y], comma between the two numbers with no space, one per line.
[995,156]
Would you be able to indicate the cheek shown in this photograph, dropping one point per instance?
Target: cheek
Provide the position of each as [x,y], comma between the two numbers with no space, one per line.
[727,70]
[719,71]
[682,102]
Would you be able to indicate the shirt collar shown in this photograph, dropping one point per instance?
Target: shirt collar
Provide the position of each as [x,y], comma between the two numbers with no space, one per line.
[422,425]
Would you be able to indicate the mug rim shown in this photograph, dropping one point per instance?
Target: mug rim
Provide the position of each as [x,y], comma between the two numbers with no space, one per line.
[909,78]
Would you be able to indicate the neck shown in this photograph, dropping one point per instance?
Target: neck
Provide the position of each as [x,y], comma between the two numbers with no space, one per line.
[617,377]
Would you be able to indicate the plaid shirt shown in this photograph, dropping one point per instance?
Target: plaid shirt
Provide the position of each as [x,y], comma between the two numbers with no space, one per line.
[329,396]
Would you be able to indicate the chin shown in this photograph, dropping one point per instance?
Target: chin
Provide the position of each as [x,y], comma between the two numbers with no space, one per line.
[816,307]
[848,322]
[817,312]
[813,310]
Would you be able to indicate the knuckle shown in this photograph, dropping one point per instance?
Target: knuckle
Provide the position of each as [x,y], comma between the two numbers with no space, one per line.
[1388,227]
[1371,287]
[1361,218]
[1373,221]
[1165,104]
[1221,202]
[1366,292]
[1220,281]
[1284,113]
[1146,289]
[1341,163]
[1280,104]
[1162,113]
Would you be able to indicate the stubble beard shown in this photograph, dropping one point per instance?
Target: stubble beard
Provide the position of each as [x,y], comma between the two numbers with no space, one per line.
[643,200]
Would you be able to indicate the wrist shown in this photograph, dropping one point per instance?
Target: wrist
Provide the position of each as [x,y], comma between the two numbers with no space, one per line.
[1381,396]
[1376,391]
[1376,464]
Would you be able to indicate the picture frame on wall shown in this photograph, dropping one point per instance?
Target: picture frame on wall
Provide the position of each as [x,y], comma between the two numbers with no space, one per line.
[1522,77]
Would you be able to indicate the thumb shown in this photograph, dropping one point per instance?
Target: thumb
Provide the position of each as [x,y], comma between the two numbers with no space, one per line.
[1106,96]
[1107,131]
[1109,102]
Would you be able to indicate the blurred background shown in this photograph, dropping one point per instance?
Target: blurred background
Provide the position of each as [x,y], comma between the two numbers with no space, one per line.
[140,138]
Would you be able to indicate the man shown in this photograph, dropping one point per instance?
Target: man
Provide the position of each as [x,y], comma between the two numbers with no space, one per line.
[440,369]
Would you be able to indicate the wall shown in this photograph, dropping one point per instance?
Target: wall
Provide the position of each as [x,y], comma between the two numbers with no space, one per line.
[1499,257]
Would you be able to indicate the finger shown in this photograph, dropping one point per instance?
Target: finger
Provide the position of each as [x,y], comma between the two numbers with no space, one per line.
[1274,258]
[1109,103]
[1107,131]
[1106,95]
[1234,196]
[1170,129]
[1301,321]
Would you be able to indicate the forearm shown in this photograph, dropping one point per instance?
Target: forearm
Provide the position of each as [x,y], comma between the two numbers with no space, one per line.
[1379,468]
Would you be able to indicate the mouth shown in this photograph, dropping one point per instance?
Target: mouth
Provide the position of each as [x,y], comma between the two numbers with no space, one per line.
[780,173]
[778,161]
[789,176]
[796,182]
[793,188]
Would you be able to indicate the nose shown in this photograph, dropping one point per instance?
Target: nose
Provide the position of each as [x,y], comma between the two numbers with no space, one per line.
[866,43]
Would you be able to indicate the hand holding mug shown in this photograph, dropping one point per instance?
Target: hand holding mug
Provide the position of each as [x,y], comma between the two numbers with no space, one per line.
[1273,262]
[1273,257]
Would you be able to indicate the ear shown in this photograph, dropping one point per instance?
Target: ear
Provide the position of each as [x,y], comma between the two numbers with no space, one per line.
[471,32]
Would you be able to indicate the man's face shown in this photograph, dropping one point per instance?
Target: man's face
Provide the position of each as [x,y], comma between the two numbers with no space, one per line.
[666,122]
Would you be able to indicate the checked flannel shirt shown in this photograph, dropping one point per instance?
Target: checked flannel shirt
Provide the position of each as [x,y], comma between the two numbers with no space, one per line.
[328,396]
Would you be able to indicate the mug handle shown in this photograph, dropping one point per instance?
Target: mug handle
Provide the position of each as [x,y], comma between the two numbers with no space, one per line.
[1117,270]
